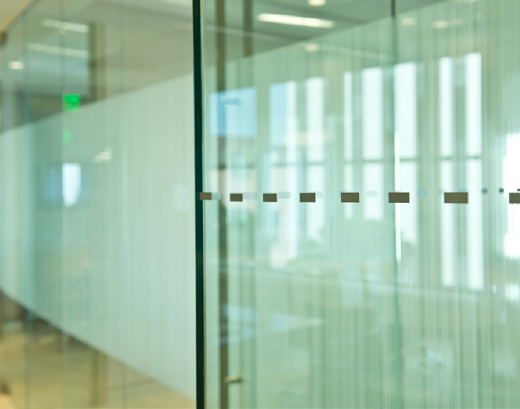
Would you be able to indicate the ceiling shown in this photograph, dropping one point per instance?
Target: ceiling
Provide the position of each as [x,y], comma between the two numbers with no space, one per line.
[9,10]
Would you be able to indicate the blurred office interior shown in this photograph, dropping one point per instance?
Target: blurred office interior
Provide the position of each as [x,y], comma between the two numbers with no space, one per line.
[116,114]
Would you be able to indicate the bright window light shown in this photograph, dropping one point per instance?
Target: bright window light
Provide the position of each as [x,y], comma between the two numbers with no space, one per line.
[512,292]
[295,20]
[373,112]
[511,171]
[71,188]
[473,103]
[446,105]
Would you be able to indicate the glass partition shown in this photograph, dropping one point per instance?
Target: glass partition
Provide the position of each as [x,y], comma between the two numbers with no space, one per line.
[96,205]
[456,121]
[301,301]
[361,237]
[349,296]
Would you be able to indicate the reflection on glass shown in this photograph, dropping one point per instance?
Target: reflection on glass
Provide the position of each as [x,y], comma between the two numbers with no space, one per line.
[370,304]
[372,89]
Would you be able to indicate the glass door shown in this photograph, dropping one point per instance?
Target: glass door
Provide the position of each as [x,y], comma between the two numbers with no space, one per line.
[301,300]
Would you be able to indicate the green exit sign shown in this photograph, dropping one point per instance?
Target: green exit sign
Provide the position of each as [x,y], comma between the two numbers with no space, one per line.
[71,102]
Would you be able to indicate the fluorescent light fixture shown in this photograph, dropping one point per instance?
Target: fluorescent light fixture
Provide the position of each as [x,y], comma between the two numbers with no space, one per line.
[295,20]
[316,2]
[51,49]
[63,25]
[408,21]
[312,47]
[16,65]
[104,156]
[182,3]
[442,24]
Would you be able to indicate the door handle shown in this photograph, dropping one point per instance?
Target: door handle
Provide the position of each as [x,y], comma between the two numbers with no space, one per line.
[233,379]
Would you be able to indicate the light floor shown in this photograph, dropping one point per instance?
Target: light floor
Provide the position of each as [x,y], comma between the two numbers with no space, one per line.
[75,376]
[5,403]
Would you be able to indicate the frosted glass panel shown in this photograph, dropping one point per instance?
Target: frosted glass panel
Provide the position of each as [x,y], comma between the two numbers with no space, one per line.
[97,220]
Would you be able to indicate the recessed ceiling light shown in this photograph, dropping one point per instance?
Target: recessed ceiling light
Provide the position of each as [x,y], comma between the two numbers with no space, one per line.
[408,21]
[441,24]
[316,2]
[295,20]
[311,47]
[16,65]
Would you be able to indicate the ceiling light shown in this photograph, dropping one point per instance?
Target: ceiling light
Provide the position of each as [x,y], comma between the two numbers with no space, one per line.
[16,65]
[316,2]
[51,49]
[312,47]
[182,3]
[104,156]
[63,25]
[441,24]
[295,20]
[408,21]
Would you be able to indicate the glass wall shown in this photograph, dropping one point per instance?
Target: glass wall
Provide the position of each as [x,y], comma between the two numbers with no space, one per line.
[361,238]
[334,300]
[97,217]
